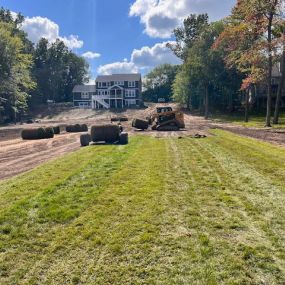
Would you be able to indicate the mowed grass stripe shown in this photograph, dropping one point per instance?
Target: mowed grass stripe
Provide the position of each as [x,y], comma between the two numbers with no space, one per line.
[229,245]
[260,201]
[31,223]
[267,158]
[112,239]
[170,212]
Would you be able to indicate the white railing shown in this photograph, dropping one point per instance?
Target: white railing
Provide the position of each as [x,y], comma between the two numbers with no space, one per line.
[103,97]
[100,97]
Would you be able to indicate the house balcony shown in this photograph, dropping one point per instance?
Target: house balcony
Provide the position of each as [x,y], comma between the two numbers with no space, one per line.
[107,97]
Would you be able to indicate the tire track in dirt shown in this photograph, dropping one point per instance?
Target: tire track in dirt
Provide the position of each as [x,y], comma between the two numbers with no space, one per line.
[23,157]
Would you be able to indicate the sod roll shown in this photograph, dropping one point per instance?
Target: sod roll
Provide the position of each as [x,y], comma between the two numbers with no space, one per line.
[140,124]
[76,128]
[49,133]
[37,134]
[56,130]
[106,133]
[119,119]
[124,138]
[85,140]
[84,128]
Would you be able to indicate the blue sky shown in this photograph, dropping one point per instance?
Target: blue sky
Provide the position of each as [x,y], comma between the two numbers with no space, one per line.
[114,35]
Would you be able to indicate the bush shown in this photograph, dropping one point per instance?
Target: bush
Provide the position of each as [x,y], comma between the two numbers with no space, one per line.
[140,124]
[37,134]
[85,140]
[106,133]
[77,128]
[56,130]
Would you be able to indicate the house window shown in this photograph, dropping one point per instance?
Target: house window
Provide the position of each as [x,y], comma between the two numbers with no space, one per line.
[99,84]
[130,93]
[132,84]
[104,84]
[120,83]
[84,95]
[83,105]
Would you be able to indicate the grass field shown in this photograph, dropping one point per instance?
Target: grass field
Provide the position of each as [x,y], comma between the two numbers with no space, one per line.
[256,120]
[157,211]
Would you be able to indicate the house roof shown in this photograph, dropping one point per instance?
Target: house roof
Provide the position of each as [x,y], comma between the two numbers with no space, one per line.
[120,77]
[84,88]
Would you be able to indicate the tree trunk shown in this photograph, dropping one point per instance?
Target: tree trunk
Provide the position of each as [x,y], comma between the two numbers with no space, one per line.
[281,87]
[188,102]
[246,106]
[257,98]
[230,103]
[269,76]
[201,105]
[206,103]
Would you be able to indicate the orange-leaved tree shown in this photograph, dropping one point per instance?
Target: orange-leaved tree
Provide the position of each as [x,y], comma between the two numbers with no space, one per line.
[249,42]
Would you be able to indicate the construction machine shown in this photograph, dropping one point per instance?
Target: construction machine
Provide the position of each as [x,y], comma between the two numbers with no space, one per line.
[166,119]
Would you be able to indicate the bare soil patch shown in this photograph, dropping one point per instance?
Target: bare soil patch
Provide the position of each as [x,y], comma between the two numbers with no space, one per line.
[276,136]
[18,156]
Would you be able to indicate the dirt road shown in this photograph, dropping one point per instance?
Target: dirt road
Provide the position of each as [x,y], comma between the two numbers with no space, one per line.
[18,156]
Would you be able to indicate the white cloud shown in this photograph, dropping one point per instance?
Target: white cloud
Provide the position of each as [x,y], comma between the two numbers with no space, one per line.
[117,67]
[39,27]
[142,59]
[91,55]
[72,42]
[149,57]
[160,17]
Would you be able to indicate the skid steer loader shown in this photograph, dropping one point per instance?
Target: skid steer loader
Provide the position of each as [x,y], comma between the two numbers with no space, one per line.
[165,119]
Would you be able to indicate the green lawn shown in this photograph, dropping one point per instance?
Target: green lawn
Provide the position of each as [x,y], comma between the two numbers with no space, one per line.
[157,211]
[254,120]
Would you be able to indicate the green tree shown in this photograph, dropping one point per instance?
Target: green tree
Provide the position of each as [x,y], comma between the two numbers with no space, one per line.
[203,76]
[57,70]
[15,77]
[158,83]
[188,33]
[181,87]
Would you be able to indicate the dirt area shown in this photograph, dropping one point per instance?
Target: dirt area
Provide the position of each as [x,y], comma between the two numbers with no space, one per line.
[276,136]
[18,156]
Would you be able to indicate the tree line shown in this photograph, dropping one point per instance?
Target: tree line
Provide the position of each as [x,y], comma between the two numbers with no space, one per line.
[33,74]
[228,63]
